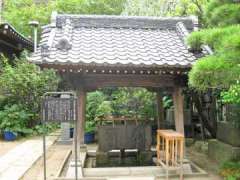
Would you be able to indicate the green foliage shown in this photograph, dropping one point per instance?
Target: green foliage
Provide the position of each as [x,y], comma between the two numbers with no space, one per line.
[137,102]
[104,109]
[214,37]
[90,126]
[20,12]
[190,7]
[94,100]
[134,102]
[97,106]
[90,6]
[230,170]
[222,13]
[196,40]
[232,96]
[164,8]
[213,72]
[25,83]
[21,87]
[15,119]
[144,7]
[167,102]
[220,70]
[45,129]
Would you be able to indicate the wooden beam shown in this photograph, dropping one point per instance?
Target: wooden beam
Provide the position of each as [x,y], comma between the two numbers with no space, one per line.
[160,110]
[178,101]
[105,80]
[81,115]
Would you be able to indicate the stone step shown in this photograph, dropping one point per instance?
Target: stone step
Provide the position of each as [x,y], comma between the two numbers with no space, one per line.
[131,171]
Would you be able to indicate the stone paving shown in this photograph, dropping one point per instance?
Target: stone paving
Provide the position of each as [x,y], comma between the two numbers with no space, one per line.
[18,160]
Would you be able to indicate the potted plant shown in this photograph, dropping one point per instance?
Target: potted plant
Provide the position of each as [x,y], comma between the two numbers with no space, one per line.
[13,120]
[89,132]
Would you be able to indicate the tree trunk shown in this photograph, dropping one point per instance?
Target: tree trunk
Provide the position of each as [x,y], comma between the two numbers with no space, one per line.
[210,126]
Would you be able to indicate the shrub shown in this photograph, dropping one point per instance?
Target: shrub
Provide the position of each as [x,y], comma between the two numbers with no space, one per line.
[45,129]
[104,109]
[15,119]
[232,95]
[230,170]
[94,100]
[21,85]
[195,41]
[24,84]
[90,126]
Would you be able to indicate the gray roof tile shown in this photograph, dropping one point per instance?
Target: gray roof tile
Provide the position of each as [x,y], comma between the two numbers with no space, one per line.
[116,41]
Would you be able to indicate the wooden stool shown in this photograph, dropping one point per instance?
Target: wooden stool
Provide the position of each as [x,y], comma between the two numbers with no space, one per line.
[170,150]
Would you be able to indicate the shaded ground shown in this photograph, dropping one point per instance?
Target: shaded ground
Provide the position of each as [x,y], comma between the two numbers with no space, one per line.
[197,153]
[55,156]
[57,153]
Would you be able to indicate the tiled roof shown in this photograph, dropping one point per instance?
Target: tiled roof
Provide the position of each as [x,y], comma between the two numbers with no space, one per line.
[14,38]
[116,41]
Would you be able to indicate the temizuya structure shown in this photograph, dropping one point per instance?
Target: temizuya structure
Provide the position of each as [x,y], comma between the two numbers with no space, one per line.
[93,52]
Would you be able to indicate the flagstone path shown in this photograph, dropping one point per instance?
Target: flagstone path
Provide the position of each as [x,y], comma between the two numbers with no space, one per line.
[18,160]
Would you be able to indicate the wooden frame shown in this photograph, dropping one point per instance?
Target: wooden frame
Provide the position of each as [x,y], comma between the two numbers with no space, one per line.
[170,150]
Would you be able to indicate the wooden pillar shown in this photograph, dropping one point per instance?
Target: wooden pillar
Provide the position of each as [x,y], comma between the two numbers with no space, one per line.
[81,115]
[178,101]
[160,110]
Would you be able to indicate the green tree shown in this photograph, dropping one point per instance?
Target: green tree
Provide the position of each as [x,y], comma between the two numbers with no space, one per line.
[165,8]
[222,13]
[94,100]
[190,7]
[145,7]
[24,84]
[220,70]
[109,7]
[134,102]
[20,12]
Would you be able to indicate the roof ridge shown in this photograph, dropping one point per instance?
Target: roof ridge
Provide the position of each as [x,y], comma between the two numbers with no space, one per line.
[183,33]
[115,21]
[123,16]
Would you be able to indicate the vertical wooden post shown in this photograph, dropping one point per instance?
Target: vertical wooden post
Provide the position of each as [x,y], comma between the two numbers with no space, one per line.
[178,101]
[81,115]
[160,110]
